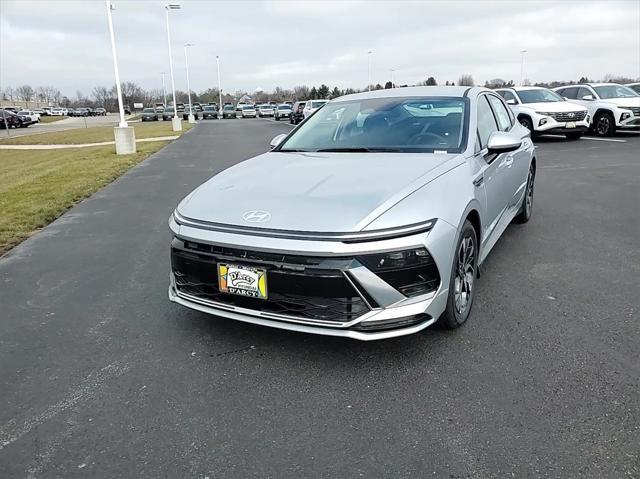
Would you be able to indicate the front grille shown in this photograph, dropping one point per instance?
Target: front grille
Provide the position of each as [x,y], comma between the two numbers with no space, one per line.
[307,288]
[635,110]
[568,116]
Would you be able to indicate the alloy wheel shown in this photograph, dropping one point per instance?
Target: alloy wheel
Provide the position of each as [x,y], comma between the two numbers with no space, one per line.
[603,125]
[528,202]
[465,276]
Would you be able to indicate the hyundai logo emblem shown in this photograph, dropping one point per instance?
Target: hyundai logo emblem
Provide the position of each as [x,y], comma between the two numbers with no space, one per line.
[256,216]
[572,115]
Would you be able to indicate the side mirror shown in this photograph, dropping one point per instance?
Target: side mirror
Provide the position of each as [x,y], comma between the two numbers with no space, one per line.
[511,101]
[502,142]
[588,98]
[277,140]
[565,98]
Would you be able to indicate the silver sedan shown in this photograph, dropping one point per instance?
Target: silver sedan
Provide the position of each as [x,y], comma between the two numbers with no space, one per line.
[370,220]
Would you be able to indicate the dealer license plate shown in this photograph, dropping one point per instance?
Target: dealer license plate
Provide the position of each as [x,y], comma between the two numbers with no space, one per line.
[571,124]
[242,280]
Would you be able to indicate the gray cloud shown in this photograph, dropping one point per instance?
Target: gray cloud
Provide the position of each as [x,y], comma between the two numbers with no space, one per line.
[287,43]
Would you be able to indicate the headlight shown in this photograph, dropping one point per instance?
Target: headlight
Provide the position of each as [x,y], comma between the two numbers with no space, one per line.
[625,116]
[542,113]
[412,271]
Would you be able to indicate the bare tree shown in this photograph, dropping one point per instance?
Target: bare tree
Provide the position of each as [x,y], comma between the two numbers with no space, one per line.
[466,80]
[25,92]
[101,96]
[9,93]
[301,92]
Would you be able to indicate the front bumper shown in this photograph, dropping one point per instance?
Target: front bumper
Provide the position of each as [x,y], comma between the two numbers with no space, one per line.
[630,123]
[249,115]
[547,124]
[388,313]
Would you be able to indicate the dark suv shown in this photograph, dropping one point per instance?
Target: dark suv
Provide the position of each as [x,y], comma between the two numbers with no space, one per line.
[296,113]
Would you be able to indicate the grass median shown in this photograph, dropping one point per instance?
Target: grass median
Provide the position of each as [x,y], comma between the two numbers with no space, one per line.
[37,186]
[95,134]
[51,119]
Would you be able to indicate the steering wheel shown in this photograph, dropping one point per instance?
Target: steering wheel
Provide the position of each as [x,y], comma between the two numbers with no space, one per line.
[428,134]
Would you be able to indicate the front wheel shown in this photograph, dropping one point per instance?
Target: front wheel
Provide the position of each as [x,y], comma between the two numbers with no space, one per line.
[462,281]
[526,122]
[604,124]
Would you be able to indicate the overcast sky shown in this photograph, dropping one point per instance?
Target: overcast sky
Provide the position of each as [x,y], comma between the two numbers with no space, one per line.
[287,43]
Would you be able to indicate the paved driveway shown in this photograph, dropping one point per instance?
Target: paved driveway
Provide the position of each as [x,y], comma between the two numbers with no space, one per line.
[100,376]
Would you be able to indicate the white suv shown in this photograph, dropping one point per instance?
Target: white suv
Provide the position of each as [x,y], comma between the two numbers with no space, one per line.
[611,106]
[543,111]
[312,105]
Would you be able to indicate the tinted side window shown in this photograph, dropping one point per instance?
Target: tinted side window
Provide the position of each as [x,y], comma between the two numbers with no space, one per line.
[504,120]
[582,92]
[486,121]
[507,95]
[569,93]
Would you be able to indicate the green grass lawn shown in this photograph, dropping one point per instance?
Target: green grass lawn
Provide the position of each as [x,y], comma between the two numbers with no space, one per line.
[37,186]
[94,134]
[51,119]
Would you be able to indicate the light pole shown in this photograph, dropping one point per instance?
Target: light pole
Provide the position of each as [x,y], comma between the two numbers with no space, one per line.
[522,52]
[186,62]
[219,86]
[164,91]
[123,133]
[369,76]
[175,121]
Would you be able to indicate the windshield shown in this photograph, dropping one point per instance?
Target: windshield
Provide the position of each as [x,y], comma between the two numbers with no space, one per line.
[148,110]
[284,107]
[614,91]
[538,96]
[169,109]
[248,107]
[23,112]
[404,124]
[210,108]
[317,104]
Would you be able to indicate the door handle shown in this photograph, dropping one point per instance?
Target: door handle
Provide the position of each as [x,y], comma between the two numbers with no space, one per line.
[478,181]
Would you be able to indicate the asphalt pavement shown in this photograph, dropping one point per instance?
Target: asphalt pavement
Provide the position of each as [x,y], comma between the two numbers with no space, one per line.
[101,376]
[71,123]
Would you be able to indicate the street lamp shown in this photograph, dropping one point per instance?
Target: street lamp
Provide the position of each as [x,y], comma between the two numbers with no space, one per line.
[219,86]
[175,121]
[164,91]
[522,52]
[123,133]
[369,76]
[186,62]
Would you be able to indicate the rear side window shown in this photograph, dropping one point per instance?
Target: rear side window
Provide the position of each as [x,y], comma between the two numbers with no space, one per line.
[504,120]
[569,93]
[507,95]
[582,92]
[486,121]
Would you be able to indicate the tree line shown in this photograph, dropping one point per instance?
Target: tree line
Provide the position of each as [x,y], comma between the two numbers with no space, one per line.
[105,97]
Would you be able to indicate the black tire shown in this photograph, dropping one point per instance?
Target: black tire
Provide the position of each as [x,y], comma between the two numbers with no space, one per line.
[524,214]
[464,272]
[526,122]
[604,124]
[574,136]
[277,118]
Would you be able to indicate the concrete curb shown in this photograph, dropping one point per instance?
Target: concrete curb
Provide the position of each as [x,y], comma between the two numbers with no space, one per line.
[84,145]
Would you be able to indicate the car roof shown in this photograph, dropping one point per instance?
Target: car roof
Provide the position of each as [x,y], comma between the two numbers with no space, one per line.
[430,91]
[521,88]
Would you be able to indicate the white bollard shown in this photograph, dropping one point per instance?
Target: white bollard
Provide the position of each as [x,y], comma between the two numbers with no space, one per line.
[125,140]
[192,118]
[176,123]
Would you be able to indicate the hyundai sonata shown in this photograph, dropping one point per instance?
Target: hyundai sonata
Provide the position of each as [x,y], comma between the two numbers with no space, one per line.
[369,220]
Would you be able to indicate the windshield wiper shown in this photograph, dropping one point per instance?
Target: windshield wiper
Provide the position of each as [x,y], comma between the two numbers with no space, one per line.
[359,149]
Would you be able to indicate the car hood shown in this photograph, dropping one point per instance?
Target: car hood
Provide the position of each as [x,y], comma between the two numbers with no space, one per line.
[320,192]
[629,101]
[554,106]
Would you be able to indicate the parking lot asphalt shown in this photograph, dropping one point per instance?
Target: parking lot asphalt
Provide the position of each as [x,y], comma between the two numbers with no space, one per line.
[101,376]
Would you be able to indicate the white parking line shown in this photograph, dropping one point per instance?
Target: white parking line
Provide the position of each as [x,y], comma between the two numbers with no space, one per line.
[603,139]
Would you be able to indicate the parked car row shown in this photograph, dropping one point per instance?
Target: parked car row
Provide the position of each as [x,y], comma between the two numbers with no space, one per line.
[573,110]
[9,118]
